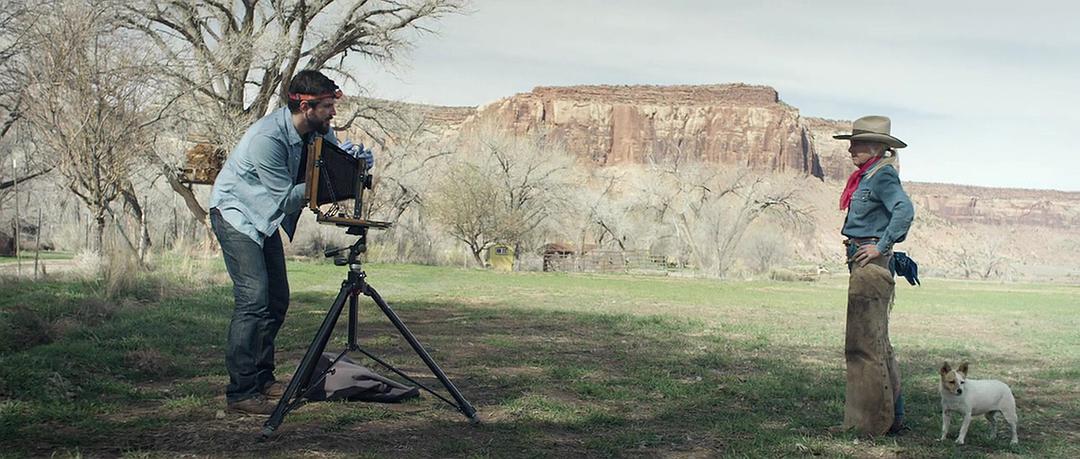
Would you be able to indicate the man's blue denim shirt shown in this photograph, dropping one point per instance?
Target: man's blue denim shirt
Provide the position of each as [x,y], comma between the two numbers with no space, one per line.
[880,208]
[256,189]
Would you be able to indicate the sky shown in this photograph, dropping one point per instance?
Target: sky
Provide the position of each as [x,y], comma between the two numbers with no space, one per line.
[983,92]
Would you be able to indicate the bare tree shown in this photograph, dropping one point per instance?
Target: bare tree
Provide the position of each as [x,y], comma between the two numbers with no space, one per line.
[765,249]
[535,175]
[89,87]
[466,201]
[13,45]
[412,153]
[596,214]
[757,200]
[598,220]
[233,60]
[983,258]
[710,210]
[502,189]
[16,20]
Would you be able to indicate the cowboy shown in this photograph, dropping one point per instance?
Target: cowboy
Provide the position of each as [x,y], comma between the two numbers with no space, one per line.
[260,189]
[879,214]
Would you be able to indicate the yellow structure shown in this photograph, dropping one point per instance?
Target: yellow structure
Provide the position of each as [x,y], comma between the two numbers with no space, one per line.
[501,257]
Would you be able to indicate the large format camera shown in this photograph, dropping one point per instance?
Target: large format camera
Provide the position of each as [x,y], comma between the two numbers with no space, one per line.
[334,176]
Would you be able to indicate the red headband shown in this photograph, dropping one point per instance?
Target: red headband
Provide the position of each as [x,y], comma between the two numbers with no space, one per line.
[308,97]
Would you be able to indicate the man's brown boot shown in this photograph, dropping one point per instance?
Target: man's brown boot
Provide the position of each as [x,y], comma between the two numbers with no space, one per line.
[275,389]
[258,405]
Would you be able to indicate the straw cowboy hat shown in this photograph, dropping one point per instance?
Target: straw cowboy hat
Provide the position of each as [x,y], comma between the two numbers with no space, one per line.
[872,128]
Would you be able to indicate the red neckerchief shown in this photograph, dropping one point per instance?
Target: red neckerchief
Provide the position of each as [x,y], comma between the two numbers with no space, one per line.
[853,183]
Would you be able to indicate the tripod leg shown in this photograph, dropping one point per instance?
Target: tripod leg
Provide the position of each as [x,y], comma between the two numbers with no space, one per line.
[352,322]
[463,405]
[302,378]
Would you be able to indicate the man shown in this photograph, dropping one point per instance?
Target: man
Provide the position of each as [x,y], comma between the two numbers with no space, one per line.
[259,190]
[879,215]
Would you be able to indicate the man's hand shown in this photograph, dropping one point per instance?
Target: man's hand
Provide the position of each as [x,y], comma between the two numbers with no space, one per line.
[865,254]
[359,152]
[367,156]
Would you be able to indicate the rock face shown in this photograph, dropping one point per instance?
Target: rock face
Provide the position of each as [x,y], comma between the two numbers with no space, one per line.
[736,124]
[997,206]
[729,125]
[832,154]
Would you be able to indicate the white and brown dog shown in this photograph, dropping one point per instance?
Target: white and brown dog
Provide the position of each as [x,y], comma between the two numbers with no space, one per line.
[973,397]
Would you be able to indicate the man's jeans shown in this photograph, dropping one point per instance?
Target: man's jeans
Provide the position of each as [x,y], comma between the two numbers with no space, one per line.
[261,289]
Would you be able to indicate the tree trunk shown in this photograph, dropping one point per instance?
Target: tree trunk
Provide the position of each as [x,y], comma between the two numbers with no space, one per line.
[37,244]
[192,203]
[476,255]
[144,239]
[127,240]
[18,224]
[579,254]
[99,233]
[401,246]
[136,209]
[175,230]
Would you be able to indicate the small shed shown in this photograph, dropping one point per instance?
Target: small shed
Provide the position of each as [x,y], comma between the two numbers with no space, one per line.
[501,257]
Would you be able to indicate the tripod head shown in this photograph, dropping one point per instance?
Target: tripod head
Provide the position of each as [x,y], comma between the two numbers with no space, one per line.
[354,250]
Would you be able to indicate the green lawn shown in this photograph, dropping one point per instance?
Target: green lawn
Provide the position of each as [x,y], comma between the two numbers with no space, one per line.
[27,257]
[557,365]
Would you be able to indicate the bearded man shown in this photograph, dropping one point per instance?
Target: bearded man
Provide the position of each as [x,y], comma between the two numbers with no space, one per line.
[259,190]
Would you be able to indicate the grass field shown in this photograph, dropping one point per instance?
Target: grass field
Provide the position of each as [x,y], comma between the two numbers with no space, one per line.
[558,366]
[27,257]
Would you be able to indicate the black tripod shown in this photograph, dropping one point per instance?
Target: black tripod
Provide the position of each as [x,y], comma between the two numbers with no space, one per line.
[305,380]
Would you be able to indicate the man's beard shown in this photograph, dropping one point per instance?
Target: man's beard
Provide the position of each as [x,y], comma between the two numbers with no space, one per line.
[322,127]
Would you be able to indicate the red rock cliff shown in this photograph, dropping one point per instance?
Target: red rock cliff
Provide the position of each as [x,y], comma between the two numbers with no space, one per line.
[731,124]
[997,206]
[832,154]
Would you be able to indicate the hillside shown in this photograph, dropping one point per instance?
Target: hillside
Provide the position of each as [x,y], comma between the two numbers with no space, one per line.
[961,230]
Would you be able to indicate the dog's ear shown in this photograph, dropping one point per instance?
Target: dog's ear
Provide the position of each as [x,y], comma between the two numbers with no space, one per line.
[945,368]
[963,368]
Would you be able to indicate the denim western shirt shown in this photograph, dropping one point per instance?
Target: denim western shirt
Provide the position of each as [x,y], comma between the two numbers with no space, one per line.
[880,208]
[256,191]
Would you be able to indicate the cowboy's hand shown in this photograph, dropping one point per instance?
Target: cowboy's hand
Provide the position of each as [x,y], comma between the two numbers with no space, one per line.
[866,253]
